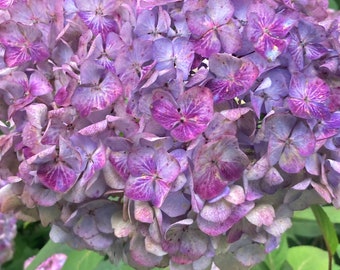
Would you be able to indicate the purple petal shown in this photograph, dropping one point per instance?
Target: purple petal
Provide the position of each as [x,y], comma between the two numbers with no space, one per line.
[196,107]
[193,246]
[98,23]
[119,161]
[208,45]
[291,161]
[235,76]
[250,254]
[39,85]
[229,37]
[39,51]
[208,184]
[97,97]
[223,64]
[15,56]
[162,188]
[270,47]
[141,162]
[275,148]
[85,227]
[165,113]
[143,212]
[215,229]
[140,255]
[303,139]
[315,51]
[140,188]
[184,54]
[308,98]
[199,23]
[163,53]
[57,177]
[167,166]
[175,199]
[220,11]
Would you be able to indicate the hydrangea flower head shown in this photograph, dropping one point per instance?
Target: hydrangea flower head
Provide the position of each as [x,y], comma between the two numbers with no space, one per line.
[180,133]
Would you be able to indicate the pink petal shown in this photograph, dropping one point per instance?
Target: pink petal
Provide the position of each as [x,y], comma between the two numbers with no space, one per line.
[57,176]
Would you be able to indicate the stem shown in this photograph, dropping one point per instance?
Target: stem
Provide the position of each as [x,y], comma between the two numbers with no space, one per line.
[330,260]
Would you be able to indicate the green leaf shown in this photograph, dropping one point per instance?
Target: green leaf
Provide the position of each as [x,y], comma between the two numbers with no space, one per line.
[304,228]
[307,258]
[333,4]
[82,259]
[260,266]
[331,211]
[327,228]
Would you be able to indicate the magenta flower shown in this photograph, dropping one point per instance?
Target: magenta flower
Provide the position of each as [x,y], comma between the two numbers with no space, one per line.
[175,54]
[22,44]
[290,142]
[218,165]
[58,168]
[152,174]
[268,31]
[98,90]
[153,24]
[37,85]
[234,76]
[306,43]
[213,29]
[98,15]
[308,97]
[186,118]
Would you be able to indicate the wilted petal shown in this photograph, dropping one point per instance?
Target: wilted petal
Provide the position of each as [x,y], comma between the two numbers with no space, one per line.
[250,254]
[121,228]
[215,229]
[262,214]
[291,161]
[86,227]
[140,255]
[216,212]
[175,204]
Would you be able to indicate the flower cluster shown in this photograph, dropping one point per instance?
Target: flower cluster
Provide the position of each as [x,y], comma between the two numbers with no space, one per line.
[169,132]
